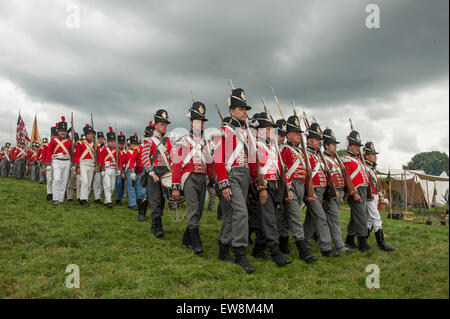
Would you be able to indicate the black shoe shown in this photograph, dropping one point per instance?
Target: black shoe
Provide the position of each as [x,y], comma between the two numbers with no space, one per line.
[133,207]
[109,205]
[49,197]
[241,259]
[380,241]
[315,237]
[196,241]
[118,202]
[350,241]
[140,208]
[70,200]
[363,246]
[330,253]
[224,252]
[284,245]
[187,238]
[157,227]
[258,252]
[303,252]
[97,201]
[84,203]
[78,200]
[279,259]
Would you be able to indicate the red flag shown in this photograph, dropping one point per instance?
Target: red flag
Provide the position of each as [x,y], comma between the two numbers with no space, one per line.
[21,131]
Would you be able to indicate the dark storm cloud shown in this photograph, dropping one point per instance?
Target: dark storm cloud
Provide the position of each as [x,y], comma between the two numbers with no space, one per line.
[128,59]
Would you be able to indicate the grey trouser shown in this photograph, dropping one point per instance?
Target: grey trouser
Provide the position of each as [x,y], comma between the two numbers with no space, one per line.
[234,229]
[292,210]
[34,171]
[316,222]
[195,193]
[156,197]
[5,167]
[267,215]
[19,168]
[331,207]
[282,223]
[358,214]
[42,178]
[211,199]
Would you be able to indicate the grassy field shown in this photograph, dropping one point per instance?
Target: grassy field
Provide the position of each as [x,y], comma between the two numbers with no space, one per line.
[118,257]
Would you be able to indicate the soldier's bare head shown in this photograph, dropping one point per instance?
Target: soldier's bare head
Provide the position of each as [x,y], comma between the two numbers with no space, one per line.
[239,113]
[294,137]
[161,127]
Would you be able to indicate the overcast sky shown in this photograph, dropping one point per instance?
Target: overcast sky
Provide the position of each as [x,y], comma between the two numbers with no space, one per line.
[129,58]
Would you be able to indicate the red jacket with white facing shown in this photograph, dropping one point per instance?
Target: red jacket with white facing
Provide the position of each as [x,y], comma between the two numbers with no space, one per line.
[149,149]
[190,155]
[318,175]
[294,160]
[269,163]
[32,156]
[355,169]
[336,174]
[84,151]
[59,148]
[229,152]
[18,153]
[107,158]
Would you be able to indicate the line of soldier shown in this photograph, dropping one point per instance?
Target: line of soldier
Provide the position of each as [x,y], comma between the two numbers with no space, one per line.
[259,171]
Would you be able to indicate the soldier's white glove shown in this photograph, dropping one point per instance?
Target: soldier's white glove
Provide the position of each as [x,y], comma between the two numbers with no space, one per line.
[133,176]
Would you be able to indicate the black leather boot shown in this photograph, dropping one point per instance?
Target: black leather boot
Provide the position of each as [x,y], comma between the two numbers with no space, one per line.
[350,241]
[241,259]
[363,246]
[157,227]
[330,253]
[49,197]
[258,252]
[278,257]
[284,245]
[187,238]
[224,252]
[196,241]
[140,205]
[84,202]
[303,252]
[380,241]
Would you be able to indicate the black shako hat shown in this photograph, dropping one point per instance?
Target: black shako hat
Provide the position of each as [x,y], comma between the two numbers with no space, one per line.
[161,116]
[88,129]
[354,138]
[253,121]
[62,125]
[110,136]
[134,139]
[121,138]
[281,127]
[7,144]
[238,99]
[369,148]
[226,120]
[44,140]
[314,131]
[100,134]
[328,136]
[197,111]
[149,129]
[21,141]
[264,120]
[293,124]
[53,130]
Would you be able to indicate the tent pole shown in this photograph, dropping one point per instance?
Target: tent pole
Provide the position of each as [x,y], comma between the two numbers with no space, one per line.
[390,198]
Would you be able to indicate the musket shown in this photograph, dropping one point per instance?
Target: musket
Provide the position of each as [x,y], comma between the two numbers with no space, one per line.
[231,84]
[94,139]
[117,150]
[72,132]
[260,179]
[193,98]
[278,104]
[351,190]
[331,185]
[369,186]
[309,182]
[220,113]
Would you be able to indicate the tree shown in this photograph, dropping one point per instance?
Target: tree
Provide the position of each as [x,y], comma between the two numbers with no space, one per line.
[433,163]
[341,153]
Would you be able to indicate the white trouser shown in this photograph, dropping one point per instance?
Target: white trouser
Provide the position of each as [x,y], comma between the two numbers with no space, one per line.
[87,172]
[374,218]
[61,171]
[97,186]
[49,178]
[109,183]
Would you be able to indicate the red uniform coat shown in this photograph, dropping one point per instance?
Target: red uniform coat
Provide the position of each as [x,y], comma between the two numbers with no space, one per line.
[355,169]
[336,174]
[18,153]
[107,158]
[59,148]
[294,161]
[372,177]
[269,163]
[149,149]
[84,151]
[39,154]
[318,175]
[190,155]
[31,156]
[136,159]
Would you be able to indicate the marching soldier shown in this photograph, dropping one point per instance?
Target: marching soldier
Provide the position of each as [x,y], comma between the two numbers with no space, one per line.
[233,178]
[46,166]
[59,155]
[374,218]
[97,184]
[358,202]
[129,163]
[40,161]
[332,206]
[120,179]
[191,165]
[272,192]
[6,160]
[74,178]
[156,160]
[32,162]
[85,166]
[19,157]
[316,220]
[109,168]
[294,159]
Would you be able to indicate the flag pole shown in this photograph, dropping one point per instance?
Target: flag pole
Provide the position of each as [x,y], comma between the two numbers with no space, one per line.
[390,195]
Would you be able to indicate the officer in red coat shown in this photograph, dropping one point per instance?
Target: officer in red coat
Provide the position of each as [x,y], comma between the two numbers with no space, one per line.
[330,205]
[191,158]
[156,160]
[233,179]
[5,161]
[316,220]
[356,170]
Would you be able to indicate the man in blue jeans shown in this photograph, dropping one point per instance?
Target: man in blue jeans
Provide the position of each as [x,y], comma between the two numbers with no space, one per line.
[120,179]
[132,187]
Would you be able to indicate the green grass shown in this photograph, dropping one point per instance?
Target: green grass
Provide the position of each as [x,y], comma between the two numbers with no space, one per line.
[119,257]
